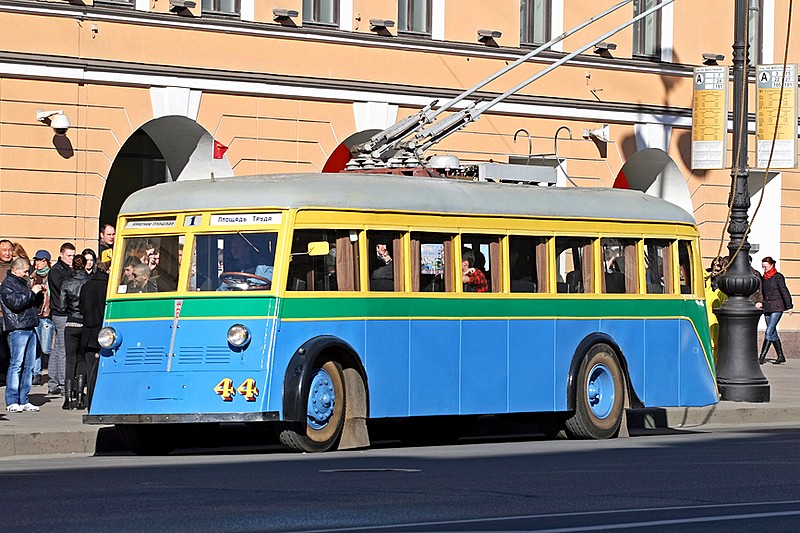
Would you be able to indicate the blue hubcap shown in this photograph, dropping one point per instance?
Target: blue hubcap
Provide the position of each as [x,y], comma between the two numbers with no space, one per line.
[321,400]
[600,391]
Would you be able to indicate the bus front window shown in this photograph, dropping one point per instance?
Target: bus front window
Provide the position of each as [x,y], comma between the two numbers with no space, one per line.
[233,262]
[150,264]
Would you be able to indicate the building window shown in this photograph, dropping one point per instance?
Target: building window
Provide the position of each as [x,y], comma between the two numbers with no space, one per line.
[647,31]
[321,11]
[414,16]
[755,38]
[226,7]
[534,21]
[116,2]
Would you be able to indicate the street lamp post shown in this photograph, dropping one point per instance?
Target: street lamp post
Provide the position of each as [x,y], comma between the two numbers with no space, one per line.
[739,376]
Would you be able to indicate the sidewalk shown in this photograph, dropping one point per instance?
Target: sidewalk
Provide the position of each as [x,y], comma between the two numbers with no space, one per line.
[53,430]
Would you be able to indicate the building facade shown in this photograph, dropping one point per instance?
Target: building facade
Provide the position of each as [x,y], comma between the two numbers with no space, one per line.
[149,86]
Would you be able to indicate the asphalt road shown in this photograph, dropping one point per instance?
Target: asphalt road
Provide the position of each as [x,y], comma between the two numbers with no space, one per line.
[722,480]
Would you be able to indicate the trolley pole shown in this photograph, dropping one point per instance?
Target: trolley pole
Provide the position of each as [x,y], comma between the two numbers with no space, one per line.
[739,376]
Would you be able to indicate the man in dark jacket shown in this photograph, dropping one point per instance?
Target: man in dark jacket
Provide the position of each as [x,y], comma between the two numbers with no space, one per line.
[20,318]
[58,356]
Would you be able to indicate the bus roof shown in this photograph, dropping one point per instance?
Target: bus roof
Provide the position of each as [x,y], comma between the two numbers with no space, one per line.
[382,192]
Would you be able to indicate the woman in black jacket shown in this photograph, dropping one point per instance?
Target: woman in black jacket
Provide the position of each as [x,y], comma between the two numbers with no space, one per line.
[70,304]
[777,299]
[92,306]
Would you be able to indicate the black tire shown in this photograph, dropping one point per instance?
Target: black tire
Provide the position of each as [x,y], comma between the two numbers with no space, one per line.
[598,417]
[148,439]
[307,437]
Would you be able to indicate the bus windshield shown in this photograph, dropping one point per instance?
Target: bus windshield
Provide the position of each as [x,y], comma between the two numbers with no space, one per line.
[233,262]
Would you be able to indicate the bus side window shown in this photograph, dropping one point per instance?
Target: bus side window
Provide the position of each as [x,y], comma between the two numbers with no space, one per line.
[432,264]
[657,261]
[337,271]
[685,266]
[385,260]
[619,266]
[574,264]
[528,268]
[487,253]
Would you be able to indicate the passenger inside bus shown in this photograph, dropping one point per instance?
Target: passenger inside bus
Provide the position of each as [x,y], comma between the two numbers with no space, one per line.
[473,277]
[140,280]
[614,278]
[382,270]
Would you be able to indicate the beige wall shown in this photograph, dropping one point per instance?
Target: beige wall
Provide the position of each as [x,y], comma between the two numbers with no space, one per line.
[51,188]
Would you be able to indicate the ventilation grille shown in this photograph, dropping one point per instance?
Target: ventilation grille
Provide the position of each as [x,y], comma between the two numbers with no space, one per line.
[140,355]
[211,355]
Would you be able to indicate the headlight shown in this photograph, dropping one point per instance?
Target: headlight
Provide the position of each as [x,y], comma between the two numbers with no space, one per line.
[238,336]
[108,338]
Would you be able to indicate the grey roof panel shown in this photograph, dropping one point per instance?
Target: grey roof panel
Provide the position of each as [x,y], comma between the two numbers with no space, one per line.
[381,192]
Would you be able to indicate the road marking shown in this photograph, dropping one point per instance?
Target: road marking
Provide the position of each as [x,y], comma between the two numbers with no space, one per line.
[404,470]
[624,525]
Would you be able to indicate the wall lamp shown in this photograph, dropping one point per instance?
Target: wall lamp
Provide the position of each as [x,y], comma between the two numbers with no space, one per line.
[280,14]
[488,36]
[604,49]
[380,25]
[55,119]
[712,59]
[178,6]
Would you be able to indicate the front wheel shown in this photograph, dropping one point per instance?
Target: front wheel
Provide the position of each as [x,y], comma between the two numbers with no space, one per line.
[599,396]
[324,412]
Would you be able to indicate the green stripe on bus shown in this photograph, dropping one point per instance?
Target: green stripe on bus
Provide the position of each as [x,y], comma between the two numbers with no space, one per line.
[326,308]
[191,308]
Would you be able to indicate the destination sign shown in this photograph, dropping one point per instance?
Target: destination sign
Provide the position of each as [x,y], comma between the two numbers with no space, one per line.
[238,219]
[140,224]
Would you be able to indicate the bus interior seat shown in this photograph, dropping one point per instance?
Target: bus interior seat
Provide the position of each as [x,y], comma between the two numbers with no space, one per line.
[523,285]
[574,282]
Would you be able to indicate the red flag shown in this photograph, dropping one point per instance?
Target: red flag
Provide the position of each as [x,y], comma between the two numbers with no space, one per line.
[219,149]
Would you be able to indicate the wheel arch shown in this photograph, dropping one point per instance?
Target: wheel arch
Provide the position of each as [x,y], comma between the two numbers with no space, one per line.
[303,361]
[577,358]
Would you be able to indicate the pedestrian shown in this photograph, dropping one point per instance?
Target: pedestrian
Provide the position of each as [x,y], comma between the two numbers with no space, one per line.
[6,256]
[19,303]
[19,251]
[106,242]
[776,300]
[44,331]
[90,260]
[75,379]
[58,273]
[714,298]
[92,307]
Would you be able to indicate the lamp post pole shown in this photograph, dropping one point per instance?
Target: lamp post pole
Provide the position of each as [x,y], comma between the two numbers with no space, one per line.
[739,377]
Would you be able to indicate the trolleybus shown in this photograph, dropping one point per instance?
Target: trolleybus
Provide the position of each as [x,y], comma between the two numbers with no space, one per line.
[318,302]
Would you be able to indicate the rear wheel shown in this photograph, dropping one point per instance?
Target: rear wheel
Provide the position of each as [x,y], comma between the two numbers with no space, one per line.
[148,439]
[324,412]
[599,396]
